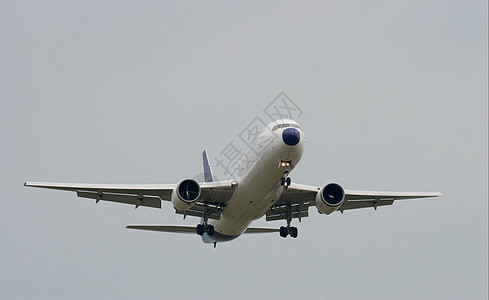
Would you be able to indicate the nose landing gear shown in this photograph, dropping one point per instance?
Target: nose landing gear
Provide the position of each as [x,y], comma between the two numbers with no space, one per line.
[285,181]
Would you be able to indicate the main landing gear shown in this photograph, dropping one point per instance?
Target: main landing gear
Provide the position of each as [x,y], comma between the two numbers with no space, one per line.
[205,228]
[285,231]
[288,230]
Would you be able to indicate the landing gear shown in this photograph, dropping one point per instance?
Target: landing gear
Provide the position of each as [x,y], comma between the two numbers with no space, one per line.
[201,229]
[284,231]
[285,181]
[210,230]
[205,228]
[292,231]
[289,230]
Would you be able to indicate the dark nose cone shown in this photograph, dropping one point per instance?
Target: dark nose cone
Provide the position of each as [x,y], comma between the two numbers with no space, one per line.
[291,136]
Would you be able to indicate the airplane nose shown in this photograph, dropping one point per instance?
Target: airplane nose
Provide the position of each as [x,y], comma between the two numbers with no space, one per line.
[291,136]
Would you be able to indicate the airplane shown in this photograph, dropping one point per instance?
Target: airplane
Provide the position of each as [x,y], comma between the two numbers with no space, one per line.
[260,185]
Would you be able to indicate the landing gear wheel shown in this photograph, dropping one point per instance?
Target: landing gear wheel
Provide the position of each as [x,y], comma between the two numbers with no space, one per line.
[288,181]
[282,181]
[293,232]
[210,230]
[283,231]
[200,229]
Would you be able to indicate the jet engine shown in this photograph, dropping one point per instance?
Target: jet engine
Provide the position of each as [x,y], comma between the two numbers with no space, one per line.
[185,194]
[329,198]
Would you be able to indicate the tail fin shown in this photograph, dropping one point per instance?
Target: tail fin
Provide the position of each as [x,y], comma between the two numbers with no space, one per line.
[208,176]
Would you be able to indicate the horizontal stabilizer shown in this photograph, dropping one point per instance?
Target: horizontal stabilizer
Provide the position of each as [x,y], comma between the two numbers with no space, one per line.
[173,229]
[190,229]
[261,230]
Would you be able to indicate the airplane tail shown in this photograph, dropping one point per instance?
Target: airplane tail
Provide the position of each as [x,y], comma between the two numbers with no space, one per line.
[208,176]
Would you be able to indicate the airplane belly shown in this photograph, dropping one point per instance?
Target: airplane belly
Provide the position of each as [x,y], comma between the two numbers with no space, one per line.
[258,190]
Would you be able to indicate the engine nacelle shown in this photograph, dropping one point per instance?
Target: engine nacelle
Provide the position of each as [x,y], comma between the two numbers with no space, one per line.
[185,194]
[329,198]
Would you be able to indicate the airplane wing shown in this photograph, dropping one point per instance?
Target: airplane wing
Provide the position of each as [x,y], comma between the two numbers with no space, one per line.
[213,194]
[297,199]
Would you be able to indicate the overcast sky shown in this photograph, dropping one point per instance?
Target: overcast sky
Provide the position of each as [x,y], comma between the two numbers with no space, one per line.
[393,95]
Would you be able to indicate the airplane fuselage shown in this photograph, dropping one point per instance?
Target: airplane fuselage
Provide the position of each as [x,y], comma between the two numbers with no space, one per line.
[259,173]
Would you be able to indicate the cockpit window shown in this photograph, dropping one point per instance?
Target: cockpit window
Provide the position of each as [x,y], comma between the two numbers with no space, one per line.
[285,126]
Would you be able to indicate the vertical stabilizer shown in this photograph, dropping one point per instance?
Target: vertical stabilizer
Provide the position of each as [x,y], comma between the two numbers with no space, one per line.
[208,176]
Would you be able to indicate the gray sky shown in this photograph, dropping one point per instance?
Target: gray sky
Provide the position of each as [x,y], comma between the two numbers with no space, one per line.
[394,97]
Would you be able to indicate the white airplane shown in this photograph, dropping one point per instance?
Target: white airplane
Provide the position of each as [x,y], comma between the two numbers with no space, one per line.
[259,186]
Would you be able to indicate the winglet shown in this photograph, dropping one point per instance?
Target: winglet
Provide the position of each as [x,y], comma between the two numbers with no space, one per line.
[208,177]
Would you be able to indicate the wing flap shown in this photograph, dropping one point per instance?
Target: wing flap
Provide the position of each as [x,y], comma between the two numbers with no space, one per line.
[212,211]
[213,198]
[137,201]
[364,204]
[299,197]
[160,190]
[279,212]
[365,199]
[371,195]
